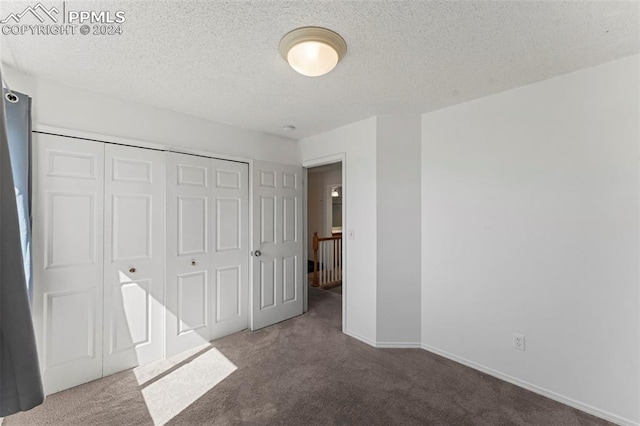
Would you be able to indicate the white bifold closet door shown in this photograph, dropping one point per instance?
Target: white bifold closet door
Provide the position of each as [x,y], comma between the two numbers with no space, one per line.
[207,250]
[133,257]
[68,187]
[138,254]
[98,246]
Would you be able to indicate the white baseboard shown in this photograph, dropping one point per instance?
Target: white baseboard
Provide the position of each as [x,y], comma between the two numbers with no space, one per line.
[376,344]
[533,388]
[406,345]
[361,338]
[502,376]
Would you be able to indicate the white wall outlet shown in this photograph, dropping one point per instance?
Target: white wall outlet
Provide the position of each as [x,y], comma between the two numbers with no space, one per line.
[352,234]
[518,342]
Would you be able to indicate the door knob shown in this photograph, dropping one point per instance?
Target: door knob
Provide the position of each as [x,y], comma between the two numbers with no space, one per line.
[193,263]
[132,270]
[257,253]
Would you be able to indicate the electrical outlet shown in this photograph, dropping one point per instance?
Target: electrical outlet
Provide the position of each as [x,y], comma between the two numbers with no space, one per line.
[518,342]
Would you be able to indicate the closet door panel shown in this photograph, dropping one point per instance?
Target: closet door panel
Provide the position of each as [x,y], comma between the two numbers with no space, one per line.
[189,242]
[68,181]
[229,312]
[133,257]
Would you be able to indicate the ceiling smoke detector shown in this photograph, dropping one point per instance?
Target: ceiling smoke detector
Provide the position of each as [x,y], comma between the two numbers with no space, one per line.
[312,51]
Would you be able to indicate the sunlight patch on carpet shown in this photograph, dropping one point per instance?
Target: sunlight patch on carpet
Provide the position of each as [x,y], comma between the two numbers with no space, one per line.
[171,394]
[147,372]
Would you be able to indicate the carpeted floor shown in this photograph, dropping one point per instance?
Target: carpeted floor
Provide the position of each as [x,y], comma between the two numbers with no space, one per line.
[301,372]
[337,290]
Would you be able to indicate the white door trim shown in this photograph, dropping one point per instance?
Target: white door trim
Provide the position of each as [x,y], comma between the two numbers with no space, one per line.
[305,246]
[321,161]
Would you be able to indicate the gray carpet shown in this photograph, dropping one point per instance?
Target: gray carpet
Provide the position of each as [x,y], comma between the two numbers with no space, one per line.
[305,371]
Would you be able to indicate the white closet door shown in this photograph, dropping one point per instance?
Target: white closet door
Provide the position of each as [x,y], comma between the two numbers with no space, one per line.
[68,180]
[133,257]
[229,312]
[277,243]
[189,260]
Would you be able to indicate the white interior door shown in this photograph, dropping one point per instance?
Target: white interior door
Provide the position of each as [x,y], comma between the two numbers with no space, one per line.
[189,262]
[230,312]
[99,247]
[277,292]
[133,257]
[68,181]
[207,250]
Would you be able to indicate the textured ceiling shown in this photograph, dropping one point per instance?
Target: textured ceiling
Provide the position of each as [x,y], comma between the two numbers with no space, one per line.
[219,59]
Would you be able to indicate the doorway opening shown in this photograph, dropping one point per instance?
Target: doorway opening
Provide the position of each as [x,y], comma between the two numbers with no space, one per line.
[324,226]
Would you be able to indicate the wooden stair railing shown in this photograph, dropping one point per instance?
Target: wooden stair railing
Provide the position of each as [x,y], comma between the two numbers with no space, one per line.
[327,261]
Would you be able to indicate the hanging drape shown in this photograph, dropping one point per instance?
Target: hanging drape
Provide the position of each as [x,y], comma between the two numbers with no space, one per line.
[18,116]
[20,381]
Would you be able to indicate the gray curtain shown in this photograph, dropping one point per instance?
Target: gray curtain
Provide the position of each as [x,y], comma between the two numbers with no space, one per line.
[19,135]
[20,381]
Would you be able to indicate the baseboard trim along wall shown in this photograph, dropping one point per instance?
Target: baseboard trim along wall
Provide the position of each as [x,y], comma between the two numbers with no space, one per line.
[381,345]
[502,376]
[533,388]
[361,338]
[405,345]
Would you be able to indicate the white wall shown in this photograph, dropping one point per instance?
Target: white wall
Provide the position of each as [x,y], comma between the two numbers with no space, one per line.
[530,209]
[358,142]
[77,109]
[398,217]
[382,204]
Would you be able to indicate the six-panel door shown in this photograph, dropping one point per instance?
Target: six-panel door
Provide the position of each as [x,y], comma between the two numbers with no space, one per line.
[207,250]
[68,181]
[277,244]
[230,309]
[133,257]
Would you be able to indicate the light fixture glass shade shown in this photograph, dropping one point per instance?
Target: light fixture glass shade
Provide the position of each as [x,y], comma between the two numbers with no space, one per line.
[312,51]
[312,58]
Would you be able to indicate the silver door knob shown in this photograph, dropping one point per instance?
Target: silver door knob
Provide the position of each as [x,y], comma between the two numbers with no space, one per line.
[257,253]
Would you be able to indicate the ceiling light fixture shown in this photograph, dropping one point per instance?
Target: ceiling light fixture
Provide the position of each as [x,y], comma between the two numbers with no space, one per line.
[312,51]
[335,193]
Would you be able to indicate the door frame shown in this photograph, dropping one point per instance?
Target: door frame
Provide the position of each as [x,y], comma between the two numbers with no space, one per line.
[315,162]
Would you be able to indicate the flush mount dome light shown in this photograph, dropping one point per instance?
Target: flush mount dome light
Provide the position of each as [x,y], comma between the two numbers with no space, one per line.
[312,51]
